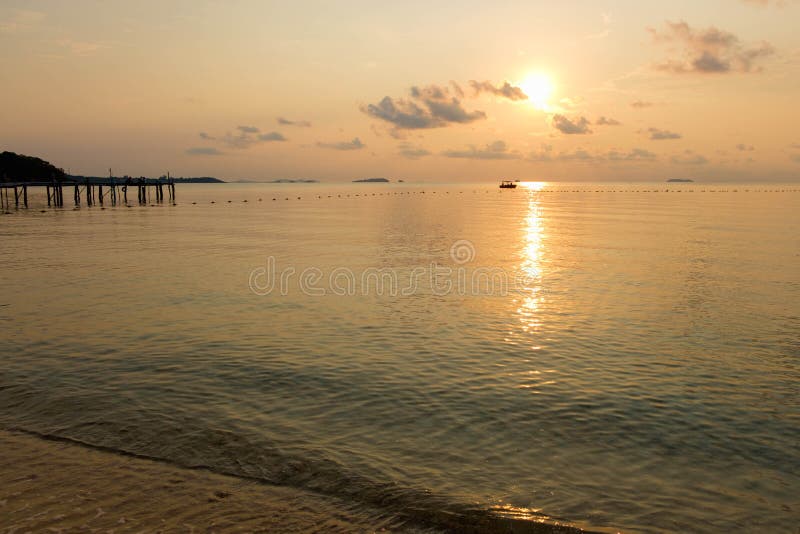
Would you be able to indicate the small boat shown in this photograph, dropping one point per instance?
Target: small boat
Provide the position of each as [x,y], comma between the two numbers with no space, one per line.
[507,184]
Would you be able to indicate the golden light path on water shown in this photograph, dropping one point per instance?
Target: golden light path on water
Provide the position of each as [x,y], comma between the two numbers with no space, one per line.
[531,266]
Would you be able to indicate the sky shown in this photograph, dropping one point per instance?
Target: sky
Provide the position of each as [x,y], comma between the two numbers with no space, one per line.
[429,91]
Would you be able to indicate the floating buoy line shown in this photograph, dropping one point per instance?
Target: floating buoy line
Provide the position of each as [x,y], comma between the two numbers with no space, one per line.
[6,208]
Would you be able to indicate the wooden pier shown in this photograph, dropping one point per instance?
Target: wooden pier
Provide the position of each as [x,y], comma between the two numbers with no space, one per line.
[95,192]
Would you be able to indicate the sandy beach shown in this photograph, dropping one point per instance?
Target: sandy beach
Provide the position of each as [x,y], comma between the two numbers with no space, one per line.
[65,487]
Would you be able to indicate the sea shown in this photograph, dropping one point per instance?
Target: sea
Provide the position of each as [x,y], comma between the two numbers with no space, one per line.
[617,357]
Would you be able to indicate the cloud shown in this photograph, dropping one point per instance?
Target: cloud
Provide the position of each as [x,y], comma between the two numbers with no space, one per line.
[451,111]
[271,136]
[244,137]
[428,107]
[745,148]
[355,144]
[635,154]
[607,121]
[493,151]
[203,151]
[506,90]
[571,127]
[689,158]
[286,122]
[580,155]
[641,104]
[546,154]
[657,134]
[708,51]
[412,152]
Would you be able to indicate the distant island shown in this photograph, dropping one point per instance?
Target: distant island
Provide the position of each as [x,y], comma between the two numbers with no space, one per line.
[177,180]
[680,180]
[373,180]
[293,181]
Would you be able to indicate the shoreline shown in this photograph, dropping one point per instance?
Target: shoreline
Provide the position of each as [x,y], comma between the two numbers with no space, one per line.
[49,482]
[57,484]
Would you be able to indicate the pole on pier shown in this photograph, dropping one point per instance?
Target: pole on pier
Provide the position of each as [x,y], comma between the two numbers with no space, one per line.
[25,195]
[48,196]
[16,197]
[76,196]
[88,193]
[100,193]
[171,186]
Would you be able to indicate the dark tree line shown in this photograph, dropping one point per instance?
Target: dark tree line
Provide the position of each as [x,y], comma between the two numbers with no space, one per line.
[20,168]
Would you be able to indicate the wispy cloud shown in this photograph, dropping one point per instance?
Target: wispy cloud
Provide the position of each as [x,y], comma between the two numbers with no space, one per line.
[708,51]
[635,154]
[577,126]
[271,136]
[741,147]
[355,144]
[581,155]
[410,151]
[656,134]
[641,104]
[286,122]
[689,158]
[506,90]
[243,137]
[203,151]
[497,150]
[607,121]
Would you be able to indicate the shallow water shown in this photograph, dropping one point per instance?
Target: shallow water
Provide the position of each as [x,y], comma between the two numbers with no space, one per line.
[623,359]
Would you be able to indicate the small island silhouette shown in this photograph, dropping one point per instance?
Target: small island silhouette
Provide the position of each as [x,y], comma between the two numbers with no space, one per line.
[372,180]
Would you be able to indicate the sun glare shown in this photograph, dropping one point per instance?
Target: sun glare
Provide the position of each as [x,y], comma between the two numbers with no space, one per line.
[539,88]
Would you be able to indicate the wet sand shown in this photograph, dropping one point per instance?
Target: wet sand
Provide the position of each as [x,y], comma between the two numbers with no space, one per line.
[46,484]
[58,485]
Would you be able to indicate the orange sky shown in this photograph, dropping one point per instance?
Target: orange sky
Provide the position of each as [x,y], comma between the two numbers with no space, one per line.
[458,91]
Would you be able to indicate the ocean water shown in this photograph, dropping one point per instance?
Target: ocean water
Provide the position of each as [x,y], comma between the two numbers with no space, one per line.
[612,356]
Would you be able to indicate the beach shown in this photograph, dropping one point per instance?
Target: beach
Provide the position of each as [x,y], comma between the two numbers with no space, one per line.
[54,484]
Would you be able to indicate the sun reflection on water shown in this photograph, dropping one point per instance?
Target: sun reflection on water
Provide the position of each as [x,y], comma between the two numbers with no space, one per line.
[531,264]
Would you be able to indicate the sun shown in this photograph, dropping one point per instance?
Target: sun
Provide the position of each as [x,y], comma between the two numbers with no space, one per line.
[539,88]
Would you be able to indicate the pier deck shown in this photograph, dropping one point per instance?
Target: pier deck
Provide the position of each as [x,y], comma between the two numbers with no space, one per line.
[112,190]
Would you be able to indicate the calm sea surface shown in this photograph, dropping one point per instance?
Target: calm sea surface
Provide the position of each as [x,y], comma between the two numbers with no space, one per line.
[625,359]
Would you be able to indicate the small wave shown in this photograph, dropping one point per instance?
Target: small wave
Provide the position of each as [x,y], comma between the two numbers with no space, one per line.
[411,508]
